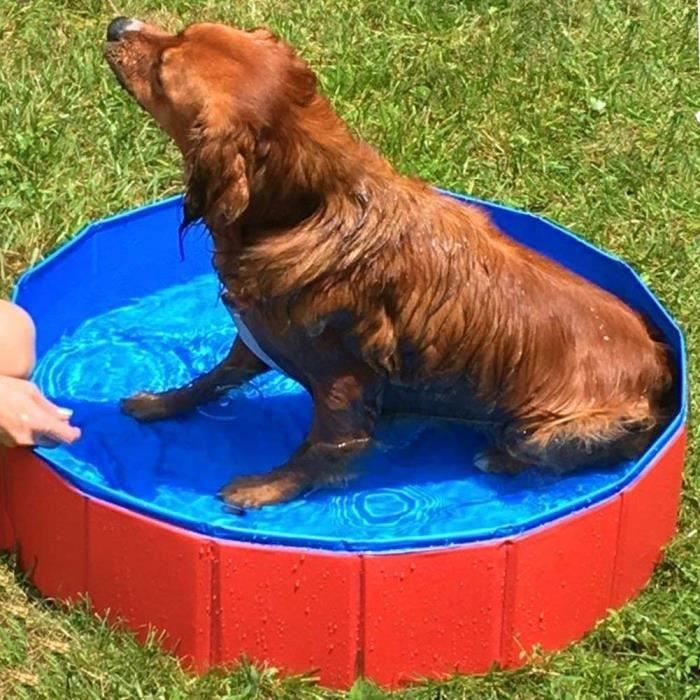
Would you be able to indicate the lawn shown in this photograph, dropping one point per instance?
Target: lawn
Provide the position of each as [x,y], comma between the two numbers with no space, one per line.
[583,110]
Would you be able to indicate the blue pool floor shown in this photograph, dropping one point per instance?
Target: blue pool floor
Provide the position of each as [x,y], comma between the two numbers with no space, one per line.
[417,487]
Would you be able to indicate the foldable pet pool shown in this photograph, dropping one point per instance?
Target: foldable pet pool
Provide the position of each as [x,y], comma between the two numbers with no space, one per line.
[421,566]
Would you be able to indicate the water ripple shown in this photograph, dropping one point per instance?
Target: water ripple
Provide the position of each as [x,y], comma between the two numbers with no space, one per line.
[108,369]
[398,510]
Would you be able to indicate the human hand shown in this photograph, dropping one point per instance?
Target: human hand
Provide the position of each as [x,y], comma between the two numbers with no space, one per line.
[27,417]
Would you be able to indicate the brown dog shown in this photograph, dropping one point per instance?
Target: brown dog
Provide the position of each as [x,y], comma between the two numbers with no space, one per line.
[372,290]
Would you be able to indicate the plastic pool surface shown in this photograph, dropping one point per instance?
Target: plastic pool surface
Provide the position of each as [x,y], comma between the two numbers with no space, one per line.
[127,314]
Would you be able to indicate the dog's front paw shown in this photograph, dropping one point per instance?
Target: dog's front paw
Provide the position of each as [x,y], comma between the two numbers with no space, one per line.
[263,490]
[145,406]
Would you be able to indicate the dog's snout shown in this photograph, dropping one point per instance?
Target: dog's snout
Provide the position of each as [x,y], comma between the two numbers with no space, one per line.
[119,25]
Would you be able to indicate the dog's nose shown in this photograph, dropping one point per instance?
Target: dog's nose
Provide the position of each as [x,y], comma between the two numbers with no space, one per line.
[119,25]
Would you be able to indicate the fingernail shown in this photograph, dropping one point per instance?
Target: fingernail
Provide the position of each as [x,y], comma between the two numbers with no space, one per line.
[67,412]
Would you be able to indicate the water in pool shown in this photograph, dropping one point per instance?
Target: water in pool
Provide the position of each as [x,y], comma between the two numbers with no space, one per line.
[417,487]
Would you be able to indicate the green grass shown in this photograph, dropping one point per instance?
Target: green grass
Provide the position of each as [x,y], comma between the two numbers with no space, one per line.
[582,110]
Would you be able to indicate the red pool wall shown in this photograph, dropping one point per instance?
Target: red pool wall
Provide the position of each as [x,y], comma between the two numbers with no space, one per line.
[389,617]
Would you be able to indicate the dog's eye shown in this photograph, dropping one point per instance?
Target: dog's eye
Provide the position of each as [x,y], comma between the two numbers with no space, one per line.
[157,81]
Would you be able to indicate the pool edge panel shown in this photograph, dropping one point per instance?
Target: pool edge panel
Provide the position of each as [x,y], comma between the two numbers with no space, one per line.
[559,581]
[649,519]
[297,609]
[433,613]
[341,615]
[48,519]
[151,575]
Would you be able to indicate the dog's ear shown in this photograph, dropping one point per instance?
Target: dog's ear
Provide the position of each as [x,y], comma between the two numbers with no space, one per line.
[218,170]
[299,83]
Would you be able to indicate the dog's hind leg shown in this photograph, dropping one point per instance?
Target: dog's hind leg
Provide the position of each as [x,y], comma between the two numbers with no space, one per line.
[564,444]
[496,460]
[238,367]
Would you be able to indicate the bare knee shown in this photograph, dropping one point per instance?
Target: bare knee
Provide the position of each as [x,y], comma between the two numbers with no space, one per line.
[17,341]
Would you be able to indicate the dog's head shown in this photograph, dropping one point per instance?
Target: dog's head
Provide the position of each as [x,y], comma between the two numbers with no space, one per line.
[222,94]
